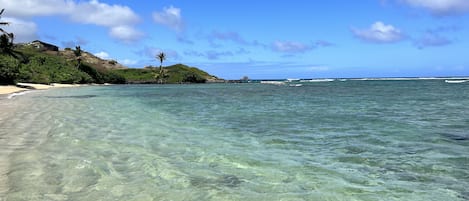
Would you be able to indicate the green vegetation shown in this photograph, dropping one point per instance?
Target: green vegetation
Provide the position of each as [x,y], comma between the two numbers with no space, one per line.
[26,63]
[32,65]
[175,74]
[9,69]
[6,45]
[162,75]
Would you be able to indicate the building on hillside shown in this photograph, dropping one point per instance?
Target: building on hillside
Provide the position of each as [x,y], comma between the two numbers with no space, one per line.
[44,46]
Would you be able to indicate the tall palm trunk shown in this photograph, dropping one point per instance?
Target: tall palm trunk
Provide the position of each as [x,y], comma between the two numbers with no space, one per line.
[161,56]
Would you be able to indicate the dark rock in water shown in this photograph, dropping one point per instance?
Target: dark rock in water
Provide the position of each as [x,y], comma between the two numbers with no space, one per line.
[78,96]
[457,137]
[354,150]
[199,181]
[460,138]
[464,195]
[229,181]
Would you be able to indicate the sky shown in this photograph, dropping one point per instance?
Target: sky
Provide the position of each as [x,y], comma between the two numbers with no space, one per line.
[259,39]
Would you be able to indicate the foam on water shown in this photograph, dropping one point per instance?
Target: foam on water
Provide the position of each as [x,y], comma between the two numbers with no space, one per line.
[12,95]
[349,140]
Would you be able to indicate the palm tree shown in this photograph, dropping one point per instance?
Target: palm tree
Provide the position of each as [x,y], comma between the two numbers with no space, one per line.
[77,52]
[6,44]
[161,75]
[3,23]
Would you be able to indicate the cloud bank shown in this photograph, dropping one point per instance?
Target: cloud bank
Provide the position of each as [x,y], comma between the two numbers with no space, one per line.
[102,55]
[120,20]
[24,31]
[290,47]
[170,17]
[435,37]
[441,7]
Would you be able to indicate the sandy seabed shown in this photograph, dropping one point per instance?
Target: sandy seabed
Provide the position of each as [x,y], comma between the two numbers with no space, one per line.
[8,109]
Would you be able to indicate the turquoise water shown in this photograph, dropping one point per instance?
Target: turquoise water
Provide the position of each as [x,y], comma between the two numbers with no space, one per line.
[353,140]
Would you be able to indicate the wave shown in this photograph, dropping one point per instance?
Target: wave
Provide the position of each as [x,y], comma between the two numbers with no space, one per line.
[273,82]
[295,85]
[409,78]
[456,81]
[18,94]
[318,80]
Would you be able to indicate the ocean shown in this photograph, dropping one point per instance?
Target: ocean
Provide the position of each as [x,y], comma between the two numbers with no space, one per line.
[341,140]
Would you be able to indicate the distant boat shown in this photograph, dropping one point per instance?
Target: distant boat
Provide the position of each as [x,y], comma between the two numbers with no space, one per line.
[455,81]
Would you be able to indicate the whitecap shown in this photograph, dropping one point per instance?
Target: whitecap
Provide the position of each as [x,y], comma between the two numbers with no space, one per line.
[456,81]
[17,94]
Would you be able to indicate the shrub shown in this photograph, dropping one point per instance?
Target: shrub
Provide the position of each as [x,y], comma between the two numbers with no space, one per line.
[194,78]
[9,69]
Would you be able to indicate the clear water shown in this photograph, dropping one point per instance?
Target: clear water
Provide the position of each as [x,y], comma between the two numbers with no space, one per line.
[353,140]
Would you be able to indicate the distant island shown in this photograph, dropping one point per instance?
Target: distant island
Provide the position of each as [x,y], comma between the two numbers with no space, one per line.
[43,63]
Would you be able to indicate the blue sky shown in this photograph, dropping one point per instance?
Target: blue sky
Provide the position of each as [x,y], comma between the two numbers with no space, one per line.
[260,39]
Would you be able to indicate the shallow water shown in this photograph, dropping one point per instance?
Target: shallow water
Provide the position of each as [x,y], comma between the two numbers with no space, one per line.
[353,140]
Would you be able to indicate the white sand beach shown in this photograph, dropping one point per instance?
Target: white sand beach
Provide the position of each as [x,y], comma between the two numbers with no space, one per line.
[9,89]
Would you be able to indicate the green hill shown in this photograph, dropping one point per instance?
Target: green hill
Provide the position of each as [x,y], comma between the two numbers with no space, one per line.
[178,73]
[39,62]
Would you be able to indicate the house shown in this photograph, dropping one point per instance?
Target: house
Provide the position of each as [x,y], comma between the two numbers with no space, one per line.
[43,46]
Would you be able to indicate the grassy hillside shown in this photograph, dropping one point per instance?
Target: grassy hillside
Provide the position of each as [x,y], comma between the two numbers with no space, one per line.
[30,63]
[178,73]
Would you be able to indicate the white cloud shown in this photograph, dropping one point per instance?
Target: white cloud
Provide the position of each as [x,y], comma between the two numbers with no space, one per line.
[102,55]
[170,17]
[103,14]
[33,8]
[24,31]
[441,7]
[125,33]
[93,12]
[290,47]
[379,33]
[128,62]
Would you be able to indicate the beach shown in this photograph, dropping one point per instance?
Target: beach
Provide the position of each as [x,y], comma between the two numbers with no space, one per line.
[21,87]
[10,89]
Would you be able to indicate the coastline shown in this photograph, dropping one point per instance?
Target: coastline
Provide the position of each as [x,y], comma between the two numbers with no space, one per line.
[10,90]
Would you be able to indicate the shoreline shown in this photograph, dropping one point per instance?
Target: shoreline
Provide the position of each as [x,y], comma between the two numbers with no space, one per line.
[10,90]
